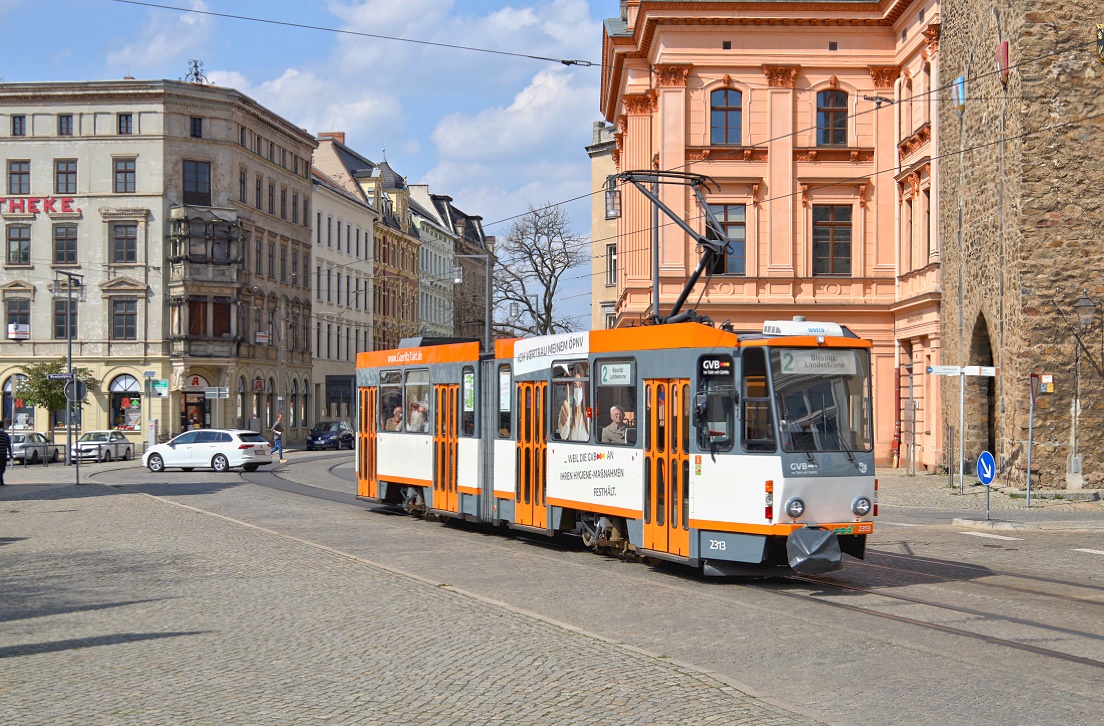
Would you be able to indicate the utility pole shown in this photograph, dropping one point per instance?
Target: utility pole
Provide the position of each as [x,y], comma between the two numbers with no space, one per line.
[70,405]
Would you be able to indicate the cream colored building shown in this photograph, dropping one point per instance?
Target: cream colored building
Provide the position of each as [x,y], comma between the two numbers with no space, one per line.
[816,122]
[603,232]
[343,320]
[185,210]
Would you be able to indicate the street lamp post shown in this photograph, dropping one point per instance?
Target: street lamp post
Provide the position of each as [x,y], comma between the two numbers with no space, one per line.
[1085,308]
[458,277]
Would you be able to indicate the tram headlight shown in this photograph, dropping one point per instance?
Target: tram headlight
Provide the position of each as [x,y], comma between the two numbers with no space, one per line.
[861,507]
[795,507]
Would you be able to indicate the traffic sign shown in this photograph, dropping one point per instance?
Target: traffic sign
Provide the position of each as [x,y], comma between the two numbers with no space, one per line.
[59,376]
[986,371]
[945,370]
[213,392]
[986,468]
[76,390]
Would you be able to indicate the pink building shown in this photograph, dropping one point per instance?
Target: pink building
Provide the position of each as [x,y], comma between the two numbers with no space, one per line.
[816,122]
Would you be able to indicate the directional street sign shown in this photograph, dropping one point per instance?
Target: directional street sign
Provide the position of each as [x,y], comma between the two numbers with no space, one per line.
[214,392]
[945,370]
[59,376]
[986,371]
[76,390]
[986,468]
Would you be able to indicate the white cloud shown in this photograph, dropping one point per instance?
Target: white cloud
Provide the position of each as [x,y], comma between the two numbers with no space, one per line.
[168,39]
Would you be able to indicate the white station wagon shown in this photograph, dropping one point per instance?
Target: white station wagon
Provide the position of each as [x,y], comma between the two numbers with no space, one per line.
[218,449]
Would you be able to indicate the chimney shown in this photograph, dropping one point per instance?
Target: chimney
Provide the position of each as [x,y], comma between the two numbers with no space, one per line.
[338,136]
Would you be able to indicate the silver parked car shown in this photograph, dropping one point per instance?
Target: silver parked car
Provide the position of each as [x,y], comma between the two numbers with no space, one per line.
[103,446]
[31,447]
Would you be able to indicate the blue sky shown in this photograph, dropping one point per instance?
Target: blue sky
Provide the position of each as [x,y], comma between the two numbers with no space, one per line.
[495,132]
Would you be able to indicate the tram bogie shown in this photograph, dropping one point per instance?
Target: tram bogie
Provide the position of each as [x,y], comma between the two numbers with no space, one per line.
[719,450]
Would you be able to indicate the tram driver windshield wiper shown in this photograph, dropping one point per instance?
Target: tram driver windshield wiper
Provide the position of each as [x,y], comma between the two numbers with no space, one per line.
[839,436]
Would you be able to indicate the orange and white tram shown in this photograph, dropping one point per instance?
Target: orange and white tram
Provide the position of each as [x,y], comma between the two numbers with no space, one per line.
[726,451]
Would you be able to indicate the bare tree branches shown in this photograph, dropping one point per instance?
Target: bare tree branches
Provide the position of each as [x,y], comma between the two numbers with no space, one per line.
[531,262]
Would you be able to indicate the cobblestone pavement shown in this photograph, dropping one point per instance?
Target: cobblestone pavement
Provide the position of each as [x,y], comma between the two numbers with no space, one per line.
[120,608]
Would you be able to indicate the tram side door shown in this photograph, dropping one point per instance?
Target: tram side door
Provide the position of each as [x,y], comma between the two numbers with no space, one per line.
[530,497]
[667,465]
[445,447]
[367,477]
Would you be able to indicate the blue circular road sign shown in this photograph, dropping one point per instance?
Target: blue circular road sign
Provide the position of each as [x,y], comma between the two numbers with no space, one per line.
[986,468]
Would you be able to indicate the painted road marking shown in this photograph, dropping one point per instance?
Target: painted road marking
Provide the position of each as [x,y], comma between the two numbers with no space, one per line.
[1091,552]
[993,536]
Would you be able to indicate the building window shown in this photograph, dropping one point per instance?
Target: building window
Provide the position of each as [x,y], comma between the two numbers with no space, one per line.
[271,198]
[260,256]
[329,285]
[611,264]
[329,231]
[242,137]
[306,271]
[124,319]
[65,244]
[19,311]
[62,312]
[306,211]
[271,261]
[831,118]
[19,125]
[318,287]
[124,176]
[197,182]
[295,164]
[831,239]
[19,244]
[65,124]
[295,207]
[258,191]
[295,268]
[242,184]
[283,204]
[126,403]
[65,177]
[126,123]
[124,244]
[19,177]
[283,264]
[611,320]
[197,128]
[732,220]
[725,116]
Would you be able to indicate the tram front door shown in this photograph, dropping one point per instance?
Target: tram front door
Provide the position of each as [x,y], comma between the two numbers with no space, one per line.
[667,465]
[367,479]
[445,447]
[530,498]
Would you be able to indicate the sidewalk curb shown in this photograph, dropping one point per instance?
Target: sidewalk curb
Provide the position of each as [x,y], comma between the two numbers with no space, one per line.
[1007,526]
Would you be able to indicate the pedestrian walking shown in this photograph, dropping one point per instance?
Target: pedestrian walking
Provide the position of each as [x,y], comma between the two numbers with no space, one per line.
[278,437]
[5,451]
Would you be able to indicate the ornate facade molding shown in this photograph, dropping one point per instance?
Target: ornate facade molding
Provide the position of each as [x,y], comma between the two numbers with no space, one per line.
[671,76]
[931,34]
[862,195]
[884,76]
[641,104]
[914,142]
[727,80]
[854,156]
[753,189]
[713,153]
[805,195]
[833,82]
[781,76]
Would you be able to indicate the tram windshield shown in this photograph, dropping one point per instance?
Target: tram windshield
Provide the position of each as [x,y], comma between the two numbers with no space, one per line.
[823,399]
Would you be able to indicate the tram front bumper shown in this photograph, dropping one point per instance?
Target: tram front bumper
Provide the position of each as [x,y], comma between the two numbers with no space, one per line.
[813,550]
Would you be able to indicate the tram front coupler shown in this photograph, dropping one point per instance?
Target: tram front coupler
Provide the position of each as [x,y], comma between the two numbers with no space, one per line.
[813,550]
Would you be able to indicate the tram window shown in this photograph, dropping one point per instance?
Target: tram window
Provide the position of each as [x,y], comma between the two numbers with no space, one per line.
[390,401]
[715,402]
[758,423]
[505,388]
[571,388]
[467,413]
[417,401]
[615,398]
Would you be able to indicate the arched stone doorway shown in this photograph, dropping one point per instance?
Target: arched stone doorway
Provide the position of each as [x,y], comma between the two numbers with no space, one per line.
[981,398]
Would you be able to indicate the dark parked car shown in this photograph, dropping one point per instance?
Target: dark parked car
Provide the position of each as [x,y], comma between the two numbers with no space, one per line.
[330,435]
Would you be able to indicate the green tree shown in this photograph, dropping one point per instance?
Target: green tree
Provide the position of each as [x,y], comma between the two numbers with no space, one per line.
[37,390]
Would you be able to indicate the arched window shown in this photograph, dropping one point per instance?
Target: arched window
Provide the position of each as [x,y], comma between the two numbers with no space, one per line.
[16,415]
[292,400]
[241,403]
[831,118]
[306,403]
[126,403]
[725,116]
